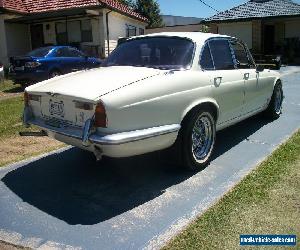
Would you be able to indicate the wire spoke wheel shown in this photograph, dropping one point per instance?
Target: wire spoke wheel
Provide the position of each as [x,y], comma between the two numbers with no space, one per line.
[202,138]
[278,100]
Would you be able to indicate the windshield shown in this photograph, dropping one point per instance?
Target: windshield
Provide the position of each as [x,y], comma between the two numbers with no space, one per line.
[40,52]
[154,52]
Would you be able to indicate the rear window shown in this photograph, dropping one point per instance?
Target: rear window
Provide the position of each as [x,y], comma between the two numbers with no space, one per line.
[40,52]
[155,52]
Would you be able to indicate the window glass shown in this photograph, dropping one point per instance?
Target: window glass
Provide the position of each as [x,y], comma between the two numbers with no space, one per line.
[141,31]
[221,54]
[86,31]
[62,52]
[40,52]
[240,55]
[130,30]
[155,52]
[206,60]
[74,34]
[75,53]
[61,33]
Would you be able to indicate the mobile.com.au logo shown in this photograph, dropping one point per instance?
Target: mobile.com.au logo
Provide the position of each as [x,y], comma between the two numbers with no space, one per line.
[268,240]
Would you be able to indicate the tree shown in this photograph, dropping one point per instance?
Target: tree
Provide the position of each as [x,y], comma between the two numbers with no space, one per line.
[151,10]
[129,3]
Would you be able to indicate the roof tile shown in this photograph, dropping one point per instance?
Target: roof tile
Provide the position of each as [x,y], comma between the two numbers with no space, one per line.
[258,9]
[37,6]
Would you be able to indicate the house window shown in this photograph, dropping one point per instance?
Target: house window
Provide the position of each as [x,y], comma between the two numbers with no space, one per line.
[130,30]
[142,31]
[75,32]
[61,33]
[86,31]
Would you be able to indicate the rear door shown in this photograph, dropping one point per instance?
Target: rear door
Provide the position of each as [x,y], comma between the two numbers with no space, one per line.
[251,78]
[227,81]
[65,61]
[79,60]
[255,82]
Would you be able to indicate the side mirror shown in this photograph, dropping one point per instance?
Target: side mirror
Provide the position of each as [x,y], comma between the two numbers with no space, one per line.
[260,68]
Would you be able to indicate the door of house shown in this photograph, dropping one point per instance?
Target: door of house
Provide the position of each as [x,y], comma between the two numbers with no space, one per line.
[37,36]
[269,39]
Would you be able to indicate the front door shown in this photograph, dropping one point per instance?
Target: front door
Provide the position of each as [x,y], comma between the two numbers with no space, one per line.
[37,36]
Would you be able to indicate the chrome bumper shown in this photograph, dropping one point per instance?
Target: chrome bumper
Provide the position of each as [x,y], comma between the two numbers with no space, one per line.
[88,137]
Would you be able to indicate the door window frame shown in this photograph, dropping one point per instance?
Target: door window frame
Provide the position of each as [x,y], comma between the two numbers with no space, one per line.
[207,42]
[251,61]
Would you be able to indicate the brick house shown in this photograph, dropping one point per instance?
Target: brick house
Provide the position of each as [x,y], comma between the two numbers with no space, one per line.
[267,26]
[92,25]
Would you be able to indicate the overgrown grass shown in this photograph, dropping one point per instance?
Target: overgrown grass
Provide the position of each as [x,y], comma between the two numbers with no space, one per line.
[12,146]
[267,201]
[11,116]
[8,87]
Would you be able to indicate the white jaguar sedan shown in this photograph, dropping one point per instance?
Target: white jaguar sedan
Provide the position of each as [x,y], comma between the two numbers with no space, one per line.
[154,92]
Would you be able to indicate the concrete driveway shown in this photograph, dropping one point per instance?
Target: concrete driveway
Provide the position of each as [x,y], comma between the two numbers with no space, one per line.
[66,200]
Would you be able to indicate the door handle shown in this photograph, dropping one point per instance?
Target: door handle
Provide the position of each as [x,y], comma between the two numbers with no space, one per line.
[246,76]
[218,81]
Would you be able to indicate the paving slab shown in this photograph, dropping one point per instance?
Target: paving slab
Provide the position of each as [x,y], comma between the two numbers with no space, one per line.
[66,200]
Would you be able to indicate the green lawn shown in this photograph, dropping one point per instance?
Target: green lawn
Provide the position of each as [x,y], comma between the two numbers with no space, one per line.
[14,147]
[8,87]
[11,116]
[267,201]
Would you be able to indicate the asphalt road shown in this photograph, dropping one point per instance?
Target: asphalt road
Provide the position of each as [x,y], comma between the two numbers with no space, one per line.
[66,200]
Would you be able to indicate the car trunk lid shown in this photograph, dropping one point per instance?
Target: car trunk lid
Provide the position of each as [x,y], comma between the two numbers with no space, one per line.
[92,84]
[57,98]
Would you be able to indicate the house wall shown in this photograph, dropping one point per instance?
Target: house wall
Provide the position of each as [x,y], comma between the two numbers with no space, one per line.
[257,36]
[292,29]
[18,39]
[179,28]
[3,45]
[241,30]
[117,28]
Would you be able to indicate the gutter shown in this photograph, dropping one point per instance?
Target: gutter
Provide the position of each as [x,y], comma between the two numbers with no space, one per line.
[247,19]
[107,32]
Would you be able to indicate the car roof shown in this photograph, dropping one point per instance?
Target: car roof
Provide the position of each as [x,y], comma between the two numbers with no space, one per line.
[198,37]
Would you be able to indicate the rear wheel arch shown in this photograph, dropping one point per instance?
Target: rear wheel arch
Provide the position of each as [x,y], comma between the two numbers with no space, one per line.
[211,106]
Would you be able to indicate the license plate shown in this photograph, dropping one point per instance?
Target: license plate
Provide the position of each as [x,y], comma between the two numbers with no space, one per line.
[56,108]
[19,68]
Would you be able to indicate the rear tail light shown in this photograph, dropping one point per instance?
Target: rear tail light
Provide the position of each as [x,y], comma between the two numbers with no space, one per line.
[32,64]
[100,116]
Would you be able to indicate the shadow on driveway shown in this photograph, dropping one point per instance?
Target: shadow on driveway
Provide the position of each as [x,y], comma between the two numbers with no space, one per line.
[74,188]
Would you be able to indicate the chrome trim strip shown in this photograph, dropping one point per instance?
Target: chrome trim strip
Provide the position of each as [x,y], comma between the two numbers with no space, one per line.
[112,139]
[132,136]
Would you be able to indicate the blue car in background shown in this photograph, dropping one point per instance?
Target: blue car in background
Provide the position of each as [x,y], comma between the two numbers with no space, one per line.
[47,62]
